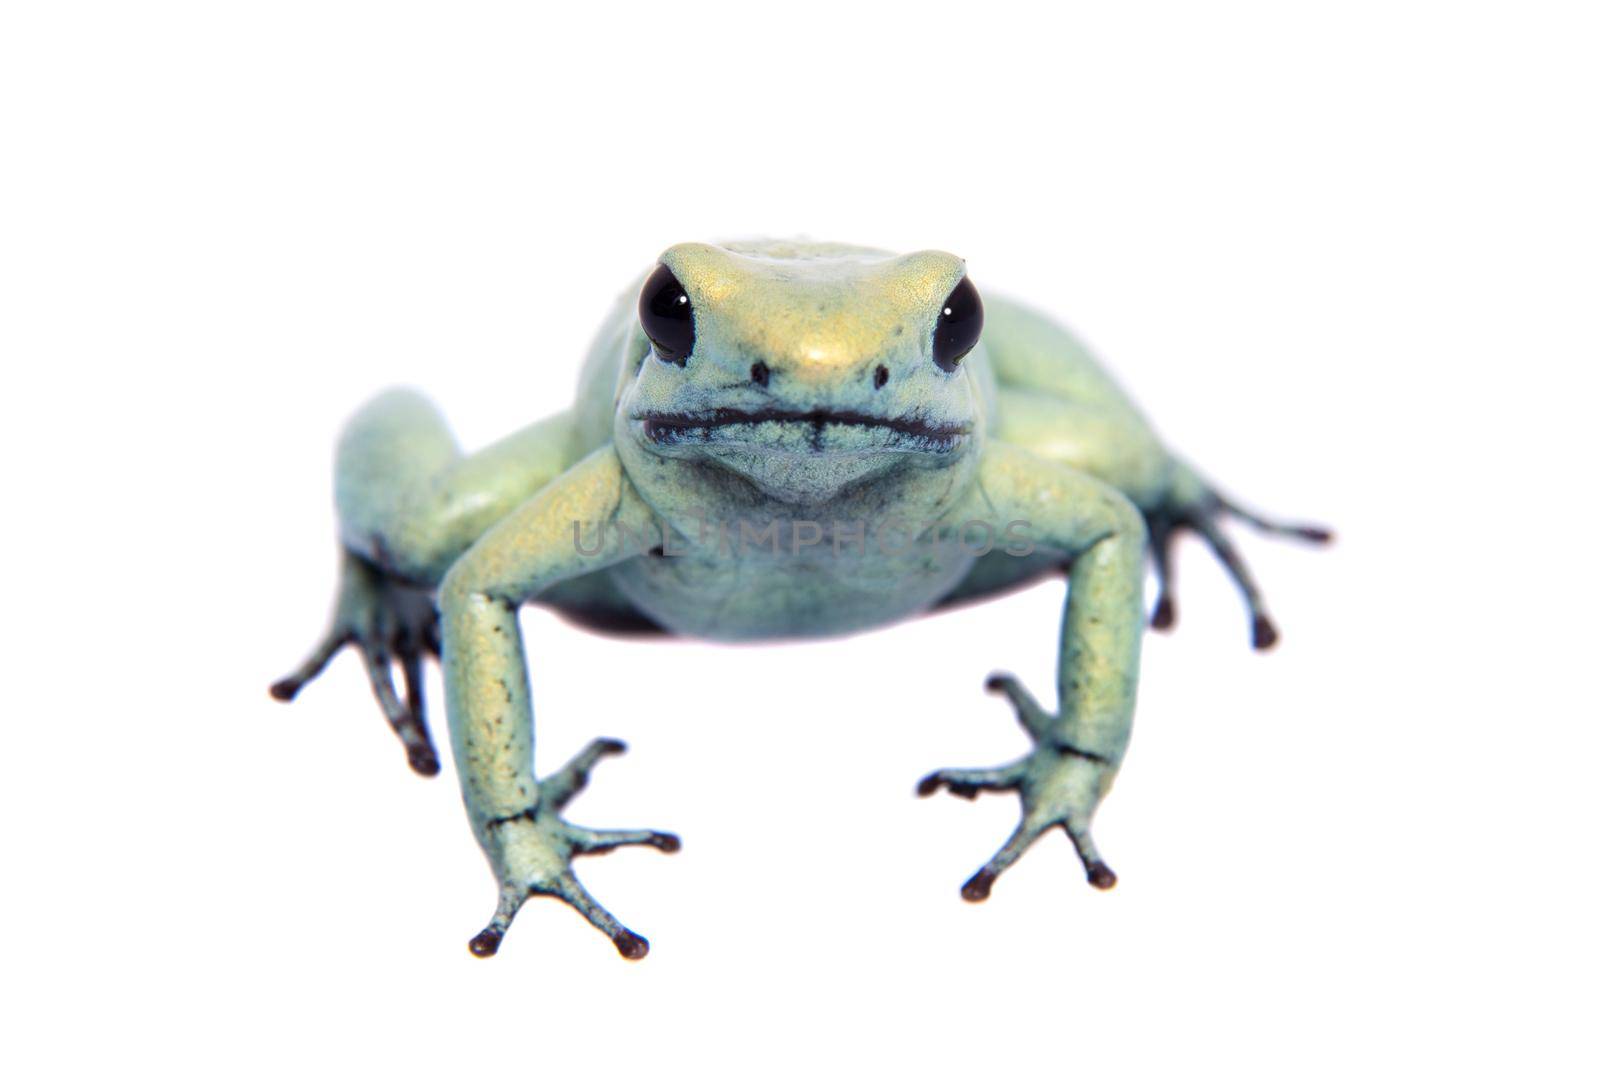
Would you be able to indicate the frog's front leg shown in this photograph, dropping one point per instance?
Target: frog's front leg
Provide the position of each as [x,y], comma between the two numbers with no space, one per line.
[589,518]
[1077,751]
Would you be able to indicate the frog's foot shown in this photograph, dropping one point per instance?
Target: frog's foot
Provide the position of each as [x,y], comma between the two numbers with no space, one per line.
[1058,785]
[1201,517]
[533,853]
[388,623]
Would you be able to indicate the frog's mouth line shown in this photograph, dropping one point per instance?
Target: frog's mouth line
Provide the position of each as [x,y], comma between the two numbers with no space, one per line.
[915,434]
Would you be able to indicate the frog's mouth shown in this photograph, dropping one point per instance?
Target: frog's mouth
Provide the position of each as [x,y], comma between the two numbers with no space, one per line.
[817,430]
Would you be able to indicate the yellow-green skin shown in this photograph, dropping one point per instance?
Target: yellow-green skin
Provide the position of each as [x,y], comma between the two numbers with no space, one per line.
[573,512]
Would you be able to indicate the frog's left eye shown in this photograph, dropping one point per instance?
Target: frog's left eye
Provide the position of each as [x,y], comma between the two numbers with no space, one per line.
[960,323]
[667,317]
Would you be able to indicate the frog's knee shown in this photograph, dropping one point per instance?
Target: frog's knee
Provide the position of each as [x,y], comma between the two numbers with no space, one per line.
[388,457]
[397,420]
[402,400]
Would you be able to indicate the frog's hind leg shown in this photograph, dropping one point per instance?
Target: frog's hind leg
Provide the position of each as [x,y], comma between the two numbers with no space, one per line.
[1193,505]
[409,504]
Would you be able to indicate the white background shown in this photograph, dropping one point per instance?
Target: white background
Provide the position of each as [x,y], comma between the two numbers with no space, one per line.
[1344,254]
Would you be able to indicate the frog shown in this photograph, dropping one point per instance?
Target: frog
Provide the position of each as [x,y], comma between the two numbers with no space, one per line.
[771,439]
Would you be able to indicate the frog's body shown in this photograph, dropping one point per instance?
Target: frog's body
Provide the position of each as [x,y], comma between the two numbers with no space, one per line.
[782,441]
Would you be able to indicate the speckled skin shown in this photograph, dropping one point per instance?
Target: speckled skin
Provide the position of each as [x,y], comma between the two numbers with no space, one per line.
[614,513]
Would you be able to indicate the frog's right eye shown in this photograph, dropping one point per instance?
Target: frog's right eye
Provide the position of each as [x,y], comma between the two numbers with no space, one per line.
[667,317]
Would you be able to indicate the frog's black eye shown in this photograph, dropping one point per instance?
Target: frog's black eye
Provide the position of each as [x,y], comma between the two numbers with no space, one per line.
[960,323]
[666,316]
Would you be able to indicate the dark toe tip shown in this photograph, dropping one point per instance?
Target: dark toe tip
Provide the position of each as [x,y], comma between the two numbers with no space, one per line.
[1164,615]
[666,842]
[612,747]
[485,944]
[425,762]
[284,689]
[1263,635]
[1316,534]
[978,886]
[631,945]
[996,682]
[928,786]
[1101,876]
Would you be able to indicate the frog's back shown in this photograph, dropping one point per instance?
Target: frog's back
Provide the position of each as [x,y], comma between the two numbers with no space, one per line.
[1031,351]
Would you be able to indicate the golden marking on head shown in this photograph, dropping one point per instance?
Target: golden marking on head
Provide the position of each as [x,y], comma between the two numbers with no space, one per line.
[814,310]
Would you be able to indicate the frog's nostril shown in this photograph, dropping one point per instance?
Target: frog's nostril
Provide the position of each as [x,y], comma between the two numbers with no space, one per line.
[880,377]
[759,373]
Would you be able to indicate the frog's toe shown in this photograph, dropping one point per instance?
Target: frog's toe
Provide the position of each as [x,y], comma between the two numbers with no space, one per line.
[599,842]
[1034,824]
[570,891]
[486,942]
[1165,614]
[1095,868]
[968,783]
[1298,531]
[977,888]
[1201,517]
[288,687]
[1263,631]
[630,945]
[405,717]
[559,789]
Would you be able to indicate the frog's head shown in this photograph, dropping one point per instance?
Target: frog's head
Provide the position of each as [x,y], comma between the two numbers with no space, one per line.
[804,368]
